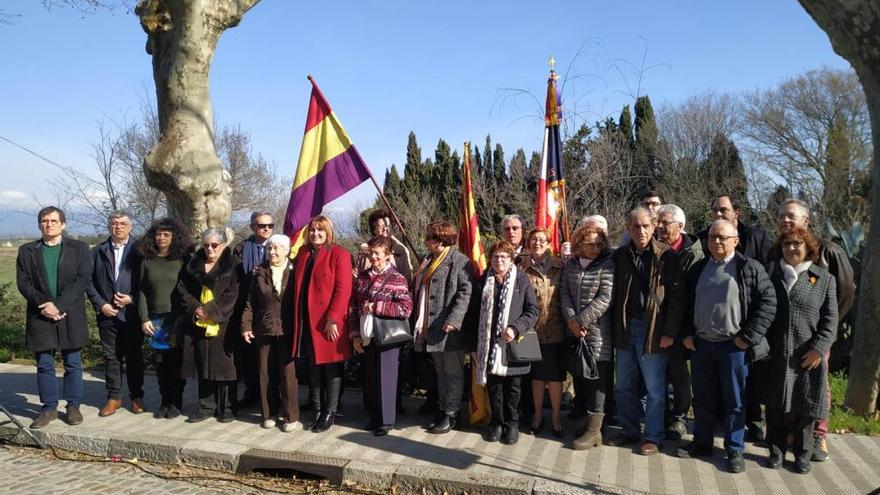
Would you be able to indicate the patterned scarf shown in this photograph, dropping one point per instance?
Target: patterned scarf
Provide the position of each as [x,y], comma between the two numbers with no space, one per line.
[491,355]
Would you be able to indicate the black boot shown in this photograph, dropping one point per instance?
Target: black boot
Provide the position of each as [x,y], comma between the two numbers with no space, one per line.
[445,425]
[324,422]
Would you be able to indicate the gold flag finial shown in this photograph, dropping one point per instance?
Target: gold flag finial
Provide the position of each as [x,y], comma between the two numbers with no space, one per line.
[552,63]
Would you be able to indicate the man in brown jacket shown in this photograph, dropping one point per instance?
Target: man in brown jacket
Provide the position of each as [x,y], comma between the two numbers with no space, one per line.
[648,304]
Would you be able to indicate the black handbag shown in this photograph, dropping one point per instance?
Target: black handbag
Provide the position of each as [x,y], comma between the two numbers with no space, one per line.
[580,359]
[390,332]
[524,349]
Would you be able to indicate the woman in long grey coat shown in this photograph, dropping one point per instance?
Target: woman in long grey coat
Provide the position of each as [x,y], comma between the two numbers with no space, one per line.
[442,292]
[207,346]
[585,291]
[804,329]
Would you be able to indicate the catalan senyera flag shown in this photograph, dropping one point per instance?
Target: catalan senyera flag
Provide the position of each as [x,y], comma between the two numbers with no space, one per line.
[329,166]
[550,208]
[469,229]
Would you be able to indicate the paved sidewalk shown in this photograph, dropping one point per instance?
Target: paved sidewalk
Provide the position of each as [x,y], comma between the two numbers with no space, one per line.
[412,459]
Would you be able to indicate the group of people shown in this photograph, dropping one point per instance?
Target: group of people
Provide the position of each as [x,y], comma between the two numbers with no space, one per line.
[756,320]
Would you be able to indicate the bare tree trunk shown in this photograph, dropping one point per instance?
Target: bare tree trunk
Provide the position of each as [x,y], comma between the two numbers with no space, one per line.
[854,30]
[181,37]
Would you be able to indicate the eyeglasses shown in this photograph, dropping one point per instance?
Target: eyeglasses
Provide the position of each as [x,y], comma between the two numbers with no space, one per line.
[666,223]
[265,225]
[793,244]
[723,238]
[212,245]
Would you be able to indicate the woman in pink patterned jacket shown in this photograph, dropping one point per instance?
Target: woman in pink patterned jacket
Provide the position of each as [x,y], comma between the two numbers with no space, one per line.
[383,292]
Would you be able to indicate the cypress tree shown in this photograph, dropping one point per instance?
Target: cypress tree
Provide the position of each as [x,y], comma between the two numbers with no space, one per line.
[487,157]
[723,169]
[499,169]
[625,125]
[413,172]
[645,159]
[838,167]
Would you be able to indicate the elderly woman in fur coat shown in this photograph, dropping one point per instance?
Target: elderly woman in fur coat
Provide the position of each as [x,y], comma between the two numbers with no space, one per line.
[207,290]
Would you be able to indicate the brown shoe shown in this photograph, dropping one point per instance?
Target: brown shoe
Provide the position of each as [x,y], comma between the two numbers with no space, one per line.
[648,448]
[137,406]
[45,417]
[110,407]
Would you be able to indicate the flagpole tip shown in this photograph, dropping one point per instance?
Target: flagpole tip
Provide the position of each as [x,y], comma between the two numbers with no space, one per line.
[311,78]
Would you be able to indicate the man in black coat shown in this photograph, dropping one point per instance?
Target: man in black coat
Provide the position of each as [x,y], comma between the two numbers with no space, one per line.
[756,244]
[112,290]
[52,274]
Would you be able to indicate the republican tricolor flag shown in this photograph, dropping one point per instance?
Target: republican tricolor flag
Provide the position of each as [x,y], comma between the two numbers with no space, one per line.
[550,208]
[329,166]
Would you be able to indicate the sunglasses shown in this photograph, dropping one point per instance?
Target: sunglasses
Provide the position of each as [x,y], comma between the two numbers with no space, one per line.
[265,225]
[212,245]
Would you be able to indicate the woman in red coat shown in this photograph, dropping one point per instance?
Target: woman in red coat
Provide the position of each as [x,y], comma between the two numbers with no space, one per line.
[322,291]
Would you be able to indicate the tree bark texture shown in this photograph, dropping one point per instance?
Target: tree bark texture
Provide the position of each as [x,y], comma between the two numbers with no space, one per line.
[181,37]
[854,29]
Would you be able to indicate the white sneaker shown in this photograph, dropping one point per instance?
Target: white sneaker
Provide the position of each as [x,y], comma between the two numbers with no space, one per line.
[291,427]
[268,423]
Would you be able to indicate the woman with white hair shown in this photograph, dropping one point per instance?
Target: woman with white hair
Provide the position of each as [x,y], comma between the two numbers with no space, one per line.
[208,290]
[268,320]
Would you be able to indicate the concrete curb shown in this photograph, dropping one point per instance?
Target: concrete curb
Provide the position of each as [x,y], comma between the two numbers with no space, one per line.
[232,457]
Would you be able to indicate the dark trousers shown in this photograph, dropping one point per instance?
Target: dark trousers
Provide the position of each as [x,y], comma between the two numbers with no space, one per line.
[779,424]
[277,377]
[47,382]
[679,384]
[504,394]
[380,384]
[754,414]
[246,367]
[216,397]
[325,385]
[168,362]
[595,391]
[595,396]
[723,362]
[122,342]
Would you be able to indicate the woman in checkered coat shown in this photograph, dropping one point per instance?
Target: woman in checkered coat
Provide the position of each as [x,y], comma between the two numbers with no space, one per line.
[804,329]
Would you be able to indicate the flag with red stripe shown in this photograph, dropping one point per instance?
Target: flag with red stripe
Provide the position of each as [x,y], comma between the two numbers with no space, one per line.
[550,208]
[469,229]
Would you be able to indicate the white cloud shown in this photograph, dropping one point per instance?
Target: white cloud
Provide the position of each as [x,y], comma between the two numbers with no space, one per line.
[18,199]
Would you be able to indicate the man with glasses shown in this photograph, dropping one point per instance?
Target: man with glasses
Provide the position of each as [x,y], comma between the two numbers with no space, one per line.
[756,244]
[512,232]
[52,274]
[732,304]
[670,230]
[753,240]
[115,266]
[793,214]
[249,254]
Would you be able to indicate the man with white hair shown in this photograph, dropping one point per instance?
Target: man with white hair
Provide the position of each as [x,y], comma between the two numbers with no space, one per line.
[512,232]
[795,213]
[671,222]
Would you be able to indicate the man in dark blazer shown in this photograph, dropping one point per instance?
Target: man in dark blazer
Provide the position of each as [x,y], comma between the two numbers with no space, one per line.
[111,291]
[52,274]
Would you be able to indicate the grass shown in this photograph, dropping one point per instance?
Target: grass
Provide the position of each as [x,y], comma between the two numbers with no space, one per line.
[843,421]
[7,264]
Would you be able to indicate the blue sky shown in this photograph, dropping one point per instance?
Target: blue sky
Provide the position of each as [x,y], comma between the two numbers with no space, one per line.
[387,67]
